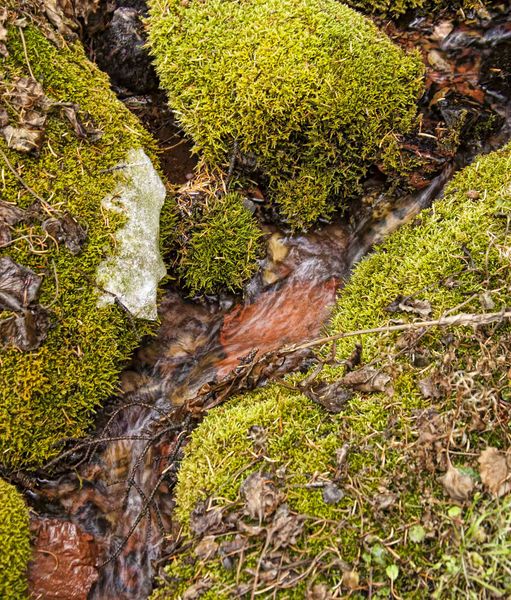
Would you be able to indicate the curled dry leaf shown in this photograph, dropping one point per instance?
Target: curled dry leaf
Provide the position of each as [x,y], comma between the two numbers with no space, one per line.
[196,590]
[429,388]
[204,519]
[19,286]
[495,471]
[27,331]
[422,308]
[458,485]
[332,494]
[23,139]
[285,528]
[66,230]
[206,548]
[3,31]
[10,215]
[331,396]
[367,379]
[260,495]
[81,123]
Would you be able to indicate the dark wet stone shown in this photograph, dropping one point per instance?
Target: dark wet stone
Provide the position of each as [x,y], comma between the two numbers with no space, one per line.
[496,71]
[119,50]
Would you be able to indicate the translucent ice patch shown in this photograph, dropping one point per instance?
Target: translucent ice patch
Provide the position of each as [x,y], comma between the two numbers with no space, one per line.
[132,274]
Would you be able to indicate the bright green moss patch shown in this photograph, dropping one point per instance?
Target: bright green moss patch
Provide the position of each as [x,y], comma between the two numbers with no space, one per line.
[400,527]
[222,245]
[51,393]
[307,90]
[14,542]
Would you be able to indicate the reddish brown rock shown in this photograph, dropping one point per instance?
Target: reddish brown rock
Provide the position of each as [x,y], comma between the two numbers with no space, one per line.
[63,563]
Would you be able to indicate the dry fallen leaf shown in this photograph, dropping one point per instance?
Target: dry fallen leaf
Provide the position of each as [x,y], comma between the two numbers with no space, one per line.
[495,471]
[260,495]
[204,519]
[3,31]
[319,591]
[367,379]
[25,332]
[331,396]
[196,590]
[409,305]
[66,230]
[285,528]
[458,485]
[206,548]
[19,286]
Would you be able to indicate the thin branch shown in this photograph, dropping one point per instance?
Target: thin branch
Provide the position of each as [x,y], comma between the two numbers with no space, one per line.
[451,321]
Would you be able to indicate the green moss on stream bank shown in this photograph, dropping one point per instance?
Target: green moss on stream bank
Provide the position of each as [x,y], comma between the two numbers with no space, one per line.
[307,91]
[51,393]
[415,513]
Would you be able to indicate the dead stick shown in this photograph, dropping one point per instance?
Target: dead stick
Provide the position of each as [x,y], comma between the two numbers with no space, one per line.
[454,320]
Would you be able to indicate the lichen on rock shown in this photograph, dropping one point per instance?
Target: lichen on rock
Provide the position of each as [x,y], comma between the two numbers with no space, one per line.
[131,276]
[393,494]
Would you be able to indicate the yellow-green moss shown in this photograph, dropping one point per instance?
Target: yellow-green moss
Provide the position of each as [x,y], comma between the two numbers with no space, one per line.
[52,393]
[309,90]
[222,245]
[14,543]
[427,543]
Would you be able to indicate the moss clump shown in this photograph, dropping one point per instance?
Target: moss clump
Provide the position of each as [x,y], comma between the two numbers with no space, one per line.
[397,529]
[51,393]
[15,543]
[308,90]
[222,245]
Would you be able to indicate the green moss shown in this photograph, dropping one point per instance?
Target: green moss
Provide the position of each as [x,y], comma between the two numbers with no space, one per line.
[395,520]
[308,89]
[15,543]
[51,393]
[222,245]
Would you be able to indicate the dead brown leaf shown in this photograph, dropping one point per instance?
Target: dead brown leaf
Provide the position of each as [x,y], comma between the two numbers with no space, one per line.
[429,388]
[196,590]
[495,471]
[206,548]
[422,308]
[367,379]
[19,286]
[3,31]
[27,331]
[458,485]
[331,396]
[81,123]
[23,139]
[205,519]
[319,591]
[66,230]
[260,495]
[285,528]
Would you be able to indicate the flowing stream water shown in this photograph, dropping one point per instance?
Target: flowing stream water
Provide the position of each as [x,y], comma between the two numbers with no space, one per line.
[104,510]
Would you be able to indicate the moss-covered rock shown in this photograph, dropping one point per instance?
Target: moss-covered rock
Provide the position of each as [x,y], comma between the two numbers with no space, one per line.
[14,542]
[393,494]
[307,90]
[222,244]
[51,392]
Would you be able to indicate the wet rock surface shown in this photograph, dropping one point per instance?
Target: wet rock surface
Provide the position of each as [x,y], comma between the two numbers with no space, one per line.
[120,51]
[64,559]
